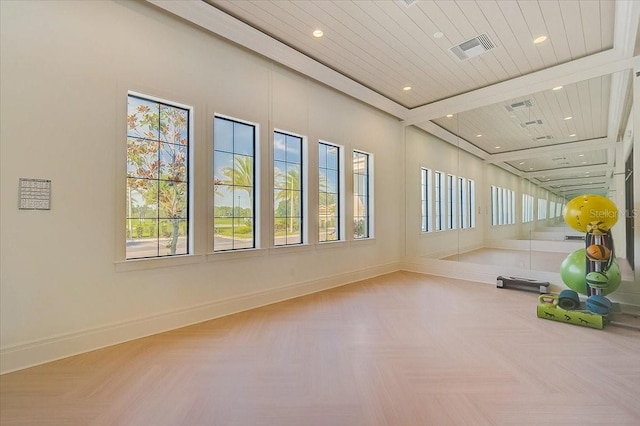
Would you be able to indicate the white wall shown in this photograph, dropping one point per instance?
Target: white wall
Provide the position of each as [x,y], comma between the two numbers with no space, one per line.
[66,69]
[425,150]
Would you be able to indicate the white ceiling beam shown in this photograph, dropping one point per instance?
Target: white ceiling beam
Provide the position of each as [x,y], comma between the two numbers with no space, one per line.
[454,140]
[582,146]
[581,189]
[572,181]
[619,84]
[511,169]
[569,171]
[208,17]
[626,26]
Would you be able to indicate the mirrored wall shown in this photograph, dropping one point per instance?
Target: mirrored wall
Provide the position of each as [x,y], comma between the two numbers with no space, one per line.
[495,180]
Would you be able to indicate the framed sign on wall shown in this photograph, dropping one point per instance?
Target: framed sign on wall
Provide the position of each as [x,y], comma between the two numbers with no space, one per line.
[35,194]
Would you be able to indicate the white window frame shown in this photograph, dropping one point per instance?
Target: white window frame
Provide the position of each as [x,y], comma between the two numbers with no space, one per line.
[340,232]
[426,200]
[451,202]
[256,186]
[439,201]
[472,203]
[370,195]
[463,208]
[122,262]
[503,206]
[527,208]
[304,229]
[542,208]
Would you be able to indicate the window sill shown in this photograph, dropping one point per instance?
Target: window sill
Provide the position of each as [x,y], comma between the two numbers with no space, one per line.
[157,262]
[297,248]
[223,256]
[330,244]
[364,241]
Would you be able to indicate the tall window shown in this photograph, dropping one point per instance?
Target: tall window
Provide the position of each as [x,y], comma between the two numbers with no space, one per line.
[511,209]
[502,206]
[426,185]
[451,202]
[542,209]
[329,192]
[361,197]
[462,199]
[552,209]
[287,189]
[158,143]
[527,208]
[472,203]
[233,184]
[439,200]
[494,205]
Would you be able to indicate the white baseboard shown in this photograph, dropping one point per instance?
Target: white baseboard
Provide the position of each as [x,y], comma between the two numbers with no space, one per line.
[36,352]
[537,245]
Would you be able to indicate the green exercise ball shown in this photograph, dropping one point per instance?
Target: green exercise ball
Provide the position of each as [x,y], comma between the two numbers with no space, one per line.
[573,272]
[615,278]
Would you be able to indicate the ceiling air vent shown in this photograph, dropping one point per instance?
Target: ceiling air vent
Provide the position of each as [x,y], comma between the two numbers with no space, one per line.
[474,47]
[531,123]
[543,138]
[517,105]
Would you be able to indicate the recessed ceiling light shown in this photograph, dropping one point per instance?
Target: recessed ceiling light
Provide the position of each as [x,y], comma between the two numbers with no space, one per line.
[568,118]
[449,115]
[318,33]
[438,35]
[530,168]
[521,163]
[584,162]
[539,40]
[557,88]
[406,88]
[572,135]
[478,136]
[581,155]
[497,147]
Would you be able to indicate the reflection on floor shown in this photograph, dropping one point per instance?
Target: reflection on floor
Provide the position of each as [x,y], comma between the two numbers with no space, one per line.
[526,259]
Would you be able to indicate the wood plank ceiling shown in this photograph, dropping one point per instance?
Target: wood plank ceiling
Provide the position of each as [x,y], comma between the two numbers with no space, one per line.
[385,46]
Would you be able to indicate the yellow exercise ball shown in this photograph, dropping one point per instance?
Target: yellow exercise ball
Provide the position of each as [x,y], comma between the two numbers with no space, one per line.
[591,213]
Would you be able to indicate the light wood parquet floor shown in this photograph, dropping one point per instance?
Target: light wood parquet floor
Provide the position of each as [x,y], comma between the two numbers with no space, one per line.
[401,349]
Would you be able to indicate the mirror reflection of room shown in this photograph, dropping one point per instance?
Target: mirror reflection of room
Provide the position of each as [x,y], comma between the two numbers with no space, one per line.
[514,165]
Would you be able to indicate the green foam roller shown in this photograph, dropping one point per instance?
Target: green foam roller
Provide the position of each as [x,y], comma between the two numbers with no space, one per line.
[548,309]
